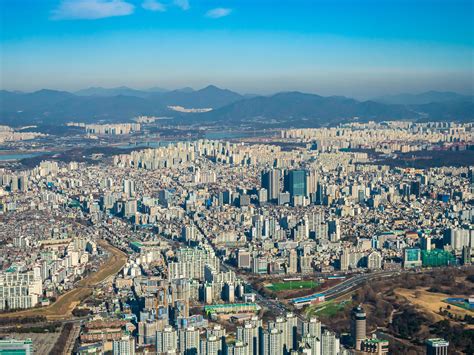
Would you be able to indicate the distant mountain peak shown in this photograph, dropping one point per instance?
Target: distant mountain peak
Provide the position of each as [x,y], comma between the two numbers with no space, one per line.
[279,110]
[211,87]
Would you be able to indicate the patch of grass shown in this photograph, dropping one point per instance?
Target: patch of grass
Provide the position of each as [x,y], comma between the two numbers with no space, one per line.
[292,285]
[327,309]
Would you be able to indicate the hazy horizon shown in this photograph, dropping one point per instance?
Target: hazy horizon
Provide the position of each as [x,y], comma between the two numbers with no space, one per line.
[358,50]
[158,88]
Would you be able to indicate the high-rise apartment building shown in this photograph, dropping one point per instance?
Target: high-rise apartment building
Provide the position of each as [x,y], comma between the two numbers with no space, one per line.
[124,346]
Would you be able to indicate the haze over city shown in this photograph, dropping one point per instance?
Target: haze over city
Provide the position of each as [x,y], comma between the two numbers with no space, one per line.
[237,177]
[360,49]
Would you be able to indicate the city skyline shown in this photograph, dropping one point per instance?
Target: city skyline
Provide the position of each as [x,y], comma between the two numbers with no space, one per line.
[237,177]
[331,48]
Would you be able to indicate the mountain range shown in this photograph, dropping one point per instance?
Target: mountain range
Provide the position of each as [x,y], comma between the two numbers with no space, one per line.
[228,108]
[423,98]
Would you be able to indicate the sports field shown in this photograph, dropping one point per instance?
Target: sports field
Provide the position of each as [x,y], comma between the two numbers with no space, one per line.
[291,285]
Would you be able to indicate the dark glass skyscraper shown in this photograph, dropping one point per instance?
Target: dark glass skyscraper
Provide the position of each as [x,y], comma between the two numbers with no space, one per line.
[271,182]
[296,183]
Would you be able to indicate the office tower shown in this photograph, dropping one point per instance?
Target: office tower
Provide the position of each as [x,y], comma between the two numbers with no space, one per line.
[124,346]
[334,230]
[295,183]
[330,344]
[249,334]
[437,346]
[358,326]
[166,340]
[271,182]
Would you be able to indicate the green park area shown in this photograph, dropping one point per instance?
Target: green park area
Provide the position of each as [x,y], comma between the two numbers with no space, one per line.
[327,309]
[292,285]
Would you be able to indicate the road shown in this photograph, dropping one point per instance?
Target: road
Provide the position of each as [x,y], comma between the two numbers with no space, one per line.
[354,282]
[65,304]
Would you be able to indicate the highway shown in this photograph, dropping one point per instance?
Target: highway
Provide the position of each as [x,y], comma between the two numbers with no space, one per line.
[352,283]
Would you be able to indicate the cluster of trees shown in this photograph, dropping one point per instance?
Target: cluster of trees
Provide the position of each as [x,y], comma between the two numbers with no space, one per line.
[47,328]
[22,320]
[380,309]
[81,312]
[440,281]
[61,343]
[407,324]
[468,319]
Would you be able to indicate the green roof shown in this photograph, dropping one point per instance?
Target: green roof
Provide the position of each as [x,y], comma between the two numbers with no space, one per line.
[214,307]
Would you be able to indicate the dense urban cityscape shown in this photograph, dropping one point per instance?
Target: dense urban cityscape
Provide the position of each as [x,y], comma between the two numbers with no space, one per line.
[236,177]
[214,246]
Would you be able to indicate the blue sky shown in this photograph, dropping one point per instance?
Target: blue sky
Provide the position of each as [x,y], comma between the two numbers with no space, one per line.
[359,48]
